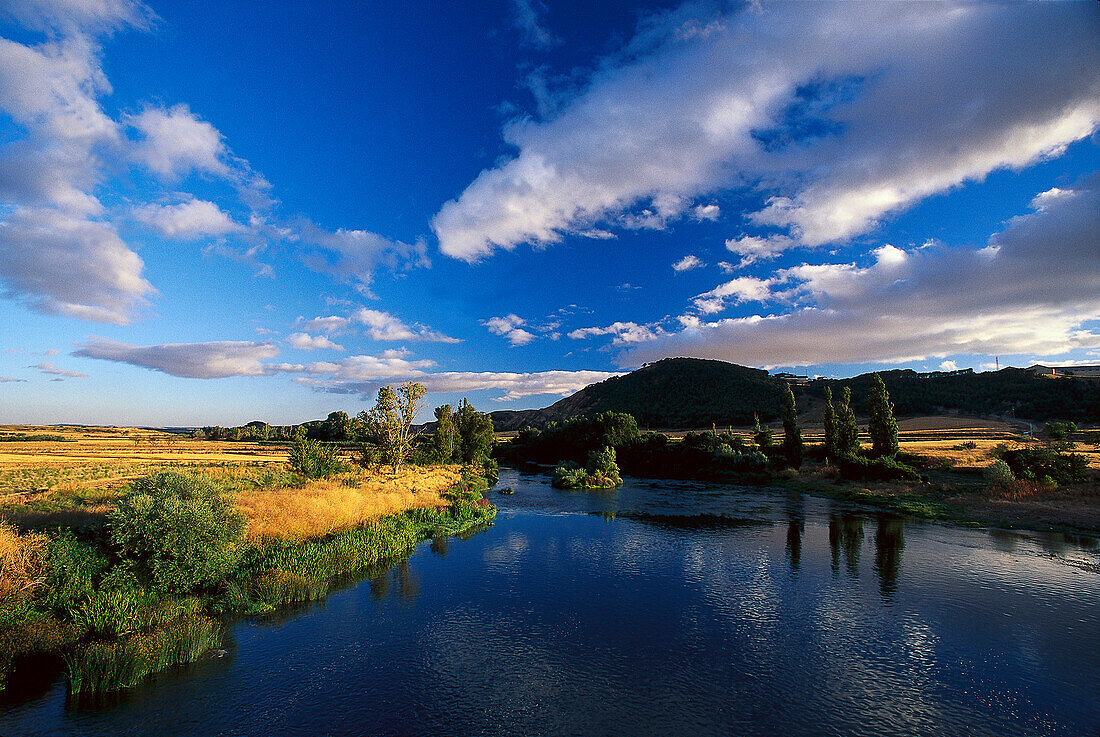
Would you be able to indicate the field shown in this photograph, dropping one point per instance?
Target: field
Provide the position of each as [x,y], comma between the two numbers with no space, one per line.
[71,481]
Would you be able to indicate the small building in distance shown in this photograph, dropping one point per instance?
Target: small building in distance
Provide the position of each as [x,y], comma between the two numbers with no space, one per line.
[1062,372]
[793,378]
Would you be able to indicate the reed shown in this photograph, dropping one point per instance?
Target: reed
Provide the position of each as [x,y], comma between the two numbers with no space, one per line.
[110,665]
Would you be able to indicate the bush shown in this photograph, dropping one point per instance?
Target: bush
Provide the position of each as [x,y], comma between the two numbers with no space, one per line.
[858,468]
[999,474]
[180,530]
[1037,463]
[314,460]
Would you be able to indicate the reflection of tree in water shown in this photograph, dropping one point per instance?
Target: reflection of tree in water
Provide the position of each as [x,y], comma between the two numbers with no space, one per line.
[795,527]
[889,542]
[846,536]
[439,545]
[399,579]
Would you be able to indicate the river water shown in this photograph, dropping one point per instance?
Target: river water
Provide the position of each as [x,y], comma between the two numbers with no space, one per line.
[617,614]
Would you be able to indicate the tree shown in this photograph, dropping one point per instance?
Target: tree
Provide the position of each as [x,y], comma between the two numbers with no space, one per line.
[881,423]
[792,436]
[336,427]
[847,432]
[476,436]
[762,435]
[389,424]
[829,420]
[445,431]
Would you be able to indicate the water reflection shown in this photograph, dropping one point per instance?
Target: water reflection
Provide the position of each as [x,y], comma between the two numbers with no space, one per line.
[889,543]
[399,580]
[846,538]
[795,508]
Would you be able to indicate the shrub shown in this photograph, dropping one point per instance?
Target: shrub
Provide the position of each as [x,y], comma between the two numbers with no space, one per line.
[181,530]
[1037,463]
[108,613]
[22,566]
[999,474]
[858,468]
[314,460]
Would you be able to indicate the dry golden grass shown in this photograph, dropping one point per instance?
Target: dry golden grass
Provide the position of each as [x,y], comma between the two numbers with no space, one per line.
[22,562]
[325,506]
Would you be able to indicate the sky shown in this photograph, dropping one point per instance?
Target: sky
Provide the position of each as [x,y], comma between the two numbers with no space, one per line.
[218,212]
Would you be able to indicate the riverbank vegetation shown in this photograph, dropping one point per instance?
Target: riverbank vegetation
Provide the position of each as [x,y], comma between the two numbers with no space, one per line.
[143,580]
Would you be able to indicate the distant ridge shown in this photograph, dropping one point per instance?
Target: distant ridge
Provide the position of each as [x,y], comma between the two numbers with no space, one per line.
[685,393]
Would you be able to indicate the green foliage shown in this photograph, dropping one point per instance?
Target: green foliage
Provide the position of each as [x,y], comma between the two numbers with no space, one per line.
[792,435]
[831,426]
[761,435]
[111,665]
[847,433]
[883,468]
[109,613]
[1044,462]
[999,474]
[314,460]
[181,530]
[389,424]
[443,440]
[476,436]
[76,569]
[601,472]
[881,424]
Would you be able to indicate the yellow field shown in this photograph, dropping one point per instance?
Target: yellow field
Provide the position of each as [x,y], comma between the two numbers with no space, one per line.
[73,482]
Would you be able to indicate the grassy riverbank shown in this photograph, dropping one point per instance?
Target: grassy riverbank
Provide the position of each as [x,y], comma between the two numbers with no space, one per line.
[68,591]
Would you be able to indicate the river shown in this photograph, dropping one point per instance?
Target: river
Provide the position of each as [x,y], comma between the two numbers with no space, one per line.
[615,613]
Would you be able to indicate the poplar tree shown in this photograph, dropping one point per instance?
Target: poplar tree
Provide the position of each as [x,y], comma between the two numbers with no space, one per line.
[444,438]
[792,436]
[847,428]
[390,422]
[829,421]
[881,423]
[762,435]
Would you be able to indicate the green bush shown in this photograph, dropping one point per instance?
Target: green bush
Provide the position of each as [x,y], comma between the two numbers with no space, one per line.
[999,474]
[180,530]
[314,460]
[858,468]
[1036,463]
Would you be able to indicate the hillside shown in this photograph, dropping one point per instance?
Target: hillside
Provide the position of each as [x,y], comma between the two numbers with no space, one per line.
[672,393]
[697,393]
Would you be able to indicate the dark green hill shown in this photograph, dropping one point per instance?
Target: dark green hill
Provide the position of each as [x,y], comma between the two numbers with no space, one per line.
[672,393]
[696,393]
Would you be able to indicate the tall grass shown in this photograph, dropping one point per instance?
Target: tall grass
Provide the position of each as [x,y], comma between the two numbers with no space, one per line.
[23,560]
[109,665]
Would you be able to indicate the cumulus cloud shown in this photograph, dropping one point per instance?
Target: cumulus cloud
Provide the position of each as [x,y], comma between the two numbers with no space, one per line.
[836,113]
[753,248]
[214,360]
[706,212]
[1031,290]
[305,342]
[100,16]
[687,263]
[509,327]
[188,220]
[625,332]
[48,368]
[735,291]
[65,264]
[384,326]
[175,141]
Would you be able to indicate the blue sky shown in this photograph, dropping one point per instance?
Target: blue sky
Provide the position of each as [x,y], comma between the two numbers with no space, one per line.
[217,212]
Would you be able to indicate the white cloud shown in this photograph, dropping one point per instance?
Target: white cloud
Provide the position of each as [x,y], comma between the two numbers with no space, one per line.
[687,263]
[514,385]
[509,327]
[213,360]
[753,248]
[529,24]
[330,324]
[384,326]
[48,368]
[64,264]
[949,366]
[741,289]
[305,342]
[176,142]
[625,333]
[837,112]
[706,212]
[1035,293]
[188,220]
[99,16]
[354,255]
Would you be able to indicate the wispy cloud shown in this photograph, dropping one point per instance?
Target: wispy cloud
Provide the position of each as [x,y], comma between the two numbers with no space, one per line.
[305,342]
[835,112]
[687,263]
[213,360]
[48,368]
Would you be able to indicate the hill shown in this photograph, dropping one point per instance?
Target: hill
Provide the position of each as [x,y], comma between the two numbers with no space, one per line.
[697,393]
[671,393]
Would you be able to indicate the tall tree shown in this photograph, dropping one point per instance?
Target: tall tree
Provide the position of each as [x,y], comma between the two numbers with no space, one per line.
[390,422]
[762,435]
[475,434]
[792,435]
[880,420]
[847,428]
[444,438]
[830,425]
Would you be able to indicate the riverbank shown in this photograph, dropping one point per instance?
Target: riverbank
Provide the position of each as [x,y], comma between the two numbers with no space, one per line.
[70,595]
